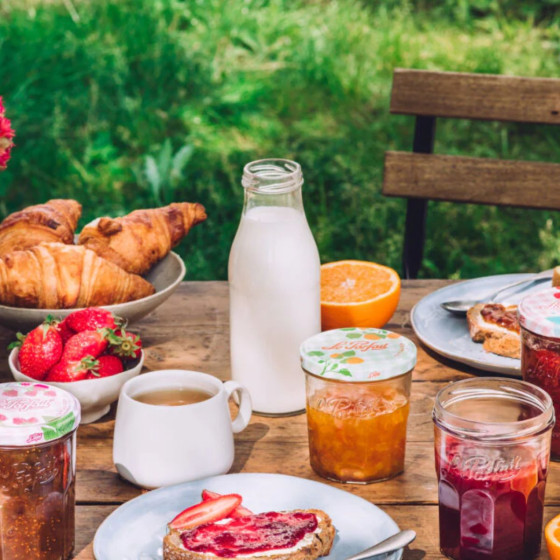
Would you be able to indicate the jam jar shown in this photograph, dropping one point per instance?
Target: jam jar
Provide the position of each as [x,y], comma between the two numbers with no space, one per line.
[358,388]
[539,317]
[492,445]
[37,471]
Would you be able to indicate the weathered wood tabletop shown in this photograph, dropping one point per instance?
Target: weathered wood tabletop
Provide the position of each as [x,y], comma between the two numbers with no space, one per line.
[190,331]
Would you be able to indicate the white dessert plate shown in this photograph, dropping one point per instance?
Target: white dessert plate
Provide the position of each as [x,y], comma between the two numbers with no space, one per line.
[448,334]
[135,530]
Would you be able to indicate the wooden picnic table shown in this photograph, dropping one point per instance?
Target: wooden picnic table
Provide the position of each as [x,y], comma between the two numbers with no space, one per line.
[191,331]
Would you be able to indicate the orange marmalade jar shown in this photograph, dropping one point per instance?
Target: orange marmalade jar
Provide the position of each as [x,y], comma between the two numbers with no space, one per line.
[358,389]
[37,471]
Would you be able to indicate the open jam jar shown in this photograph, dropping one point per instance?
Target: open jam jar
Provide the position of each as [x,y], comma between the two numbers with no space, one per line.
[37,471]
[539,317]
[358,388]
[492,445]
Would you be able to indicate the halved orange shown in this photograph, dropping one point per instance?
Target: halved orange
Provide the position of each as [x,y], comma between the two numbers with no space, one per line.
[358,294]
[552,536]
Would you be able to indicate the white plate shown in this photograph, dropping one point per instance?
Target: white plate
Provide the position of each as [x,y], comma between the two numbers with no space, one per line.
[448,334]
[135,530]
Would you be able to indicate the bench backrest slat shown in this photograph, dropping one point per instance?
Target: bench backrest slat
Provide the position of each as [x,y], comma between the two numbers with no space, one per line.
[475,180]
[476,96]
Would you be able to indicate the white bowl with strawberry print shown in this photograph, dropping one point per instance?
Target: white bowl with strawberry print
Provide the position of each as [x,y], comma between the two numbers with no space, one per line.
[95,395]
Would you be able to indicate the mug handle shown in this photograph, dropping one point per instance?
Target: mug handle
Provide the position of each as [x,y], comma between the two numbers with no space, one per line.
[245,407]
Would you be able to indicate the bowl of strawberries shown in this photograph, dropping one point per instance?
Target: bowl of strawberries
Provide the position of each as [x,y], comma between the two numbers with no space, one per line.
[89,353]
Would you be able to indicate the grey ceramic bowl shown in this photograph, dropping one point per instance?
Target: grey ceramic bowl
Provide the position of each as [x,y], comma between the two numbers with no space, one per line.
[166,276]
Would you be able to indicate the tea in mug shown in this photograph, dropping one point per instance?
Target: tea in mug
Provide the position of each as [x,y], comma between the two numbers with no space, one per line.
[177,396]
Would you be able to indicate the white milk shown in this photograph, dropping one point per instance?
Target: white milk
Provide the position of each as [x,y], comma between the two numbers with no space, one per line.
[274,275]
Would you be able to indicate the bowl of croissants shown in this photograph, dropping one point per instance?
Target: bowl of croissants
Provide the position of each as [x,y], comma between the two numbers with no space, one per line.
[125,264]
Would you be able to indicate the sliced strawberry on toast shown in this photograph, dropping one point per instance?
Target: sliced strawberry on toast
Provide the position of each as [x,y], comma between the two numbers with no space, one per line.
[209,511]
[239,511]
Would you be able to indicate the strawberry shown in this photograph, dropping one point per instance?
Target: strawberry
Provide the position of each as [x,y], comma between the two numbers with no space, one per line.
[40,350]
[65,331]
[129,347]
[206,512]
[106,366]
[239,511]
[90,319]
[85,343]
[75,370]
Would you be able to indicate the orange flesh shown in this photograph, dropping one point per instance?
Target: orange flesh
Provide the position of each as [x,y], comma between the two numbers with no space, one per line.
[346,283]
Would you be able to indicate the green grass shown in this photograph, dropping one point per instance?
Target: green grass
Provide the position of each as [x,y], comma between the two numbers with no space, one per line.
[103,98]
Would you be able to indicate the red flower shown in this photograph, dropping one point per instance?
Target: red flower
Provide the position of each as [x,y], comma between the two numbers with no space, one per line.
[6,135]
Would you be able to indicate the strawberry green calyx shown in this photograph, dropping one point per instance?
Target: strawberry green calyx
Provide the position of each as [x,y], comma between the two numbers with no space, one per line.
[17,343]
[50,321]
[125,344]
[6,135]
[89,363]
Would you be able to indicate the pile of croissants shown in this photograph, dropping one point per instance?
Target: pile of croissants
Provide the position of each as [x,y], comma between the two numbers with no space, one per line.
[42,267]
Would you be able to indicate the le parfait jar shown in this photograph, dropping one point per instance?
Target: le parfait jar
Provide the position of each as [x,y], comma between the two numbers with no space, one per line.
[358,389]
[492,445]
[38,426]
[539,317]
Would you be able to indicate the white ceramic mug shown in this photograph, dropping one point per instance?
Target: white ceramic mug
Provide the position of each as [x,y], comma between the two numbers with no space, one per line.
[158,445]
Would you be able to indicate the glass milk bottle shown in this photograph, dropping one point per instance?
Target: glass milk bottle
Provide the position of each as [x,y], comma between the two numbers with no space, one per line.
[274,283]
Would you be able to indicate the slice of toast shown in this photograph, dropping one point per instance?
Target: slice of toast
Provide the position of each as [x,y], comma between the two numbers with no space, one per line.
[311,547]
[494,337]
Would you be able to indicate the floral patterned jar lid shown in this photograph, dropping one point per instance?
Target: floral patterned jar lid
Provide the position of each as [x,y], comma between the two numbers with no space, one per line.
[539,312]
[354,354]
[33,413]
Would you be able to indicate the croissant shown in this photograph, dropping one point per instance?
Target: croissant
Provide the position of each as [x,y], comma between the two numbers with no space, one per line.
[54,221]
[138,240]
[58,276]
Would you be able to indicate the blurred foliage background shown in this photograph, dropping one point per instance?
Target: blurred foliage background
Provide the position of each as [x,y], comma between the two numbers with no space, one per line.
[125,104]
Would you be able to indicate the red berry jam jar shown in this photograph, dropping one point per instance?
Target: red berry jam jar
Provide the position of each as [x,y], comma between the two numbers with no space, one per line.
[492,447]
[37,471]
[539,317]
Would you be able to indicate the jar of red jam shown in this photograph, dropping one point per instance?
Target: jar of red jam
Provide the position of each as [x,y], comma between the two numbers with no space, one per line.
[539,317]
[358,389]
[37,471]
[492,446]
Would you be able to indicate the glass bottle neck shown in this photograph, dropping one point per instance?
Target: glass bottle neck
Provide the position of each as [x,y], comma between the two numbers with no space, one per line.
[272,182]
[288,200]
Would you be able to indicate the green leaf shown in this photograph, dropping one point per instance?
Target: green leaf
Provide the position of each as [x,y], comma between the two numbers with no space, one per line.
[348,329]
[153,177]
[315,353]
[345,372]
[353,335]
[59,426]
[49,433]
[181,158]
[164,160]
[349,353]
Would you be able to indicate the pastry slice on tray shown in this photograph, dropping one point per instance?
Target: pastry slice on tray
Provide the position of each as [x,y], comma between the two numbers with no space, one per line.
[139,240]
[54,221]
[59,276]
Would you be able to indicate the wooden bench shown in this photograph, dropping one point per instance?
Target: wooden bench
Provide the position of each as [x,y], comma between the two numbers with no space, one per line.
[422,175]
